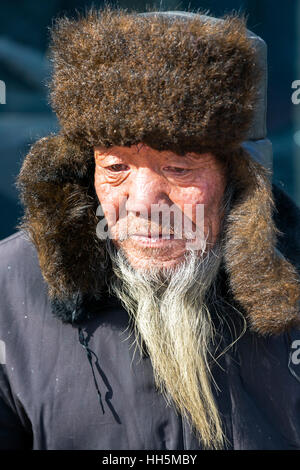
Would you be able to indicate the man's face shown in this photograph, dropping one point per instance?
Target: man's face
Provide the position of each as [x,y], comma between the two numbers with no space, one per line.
[138,178]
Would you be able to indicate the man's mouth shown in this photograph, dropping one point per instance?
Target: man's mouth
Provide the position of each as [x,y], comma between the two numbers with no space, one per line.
[153,239]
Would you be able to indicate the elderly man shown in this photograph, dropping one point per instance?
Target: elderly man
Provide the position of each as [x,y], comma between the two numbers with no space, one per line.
[172,320]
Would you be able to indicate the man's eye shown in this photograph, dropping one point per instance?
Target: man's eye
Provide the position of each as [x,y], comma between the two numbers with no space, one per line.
[177,170]
[117,167]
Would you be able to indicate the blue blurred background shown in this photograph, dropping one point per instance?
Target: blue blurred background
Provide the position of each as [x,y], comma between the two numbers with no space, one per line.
[24,68]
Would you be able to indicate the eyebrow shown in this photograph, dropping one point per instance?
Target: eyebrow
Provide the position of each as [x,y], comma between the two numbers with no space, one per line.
[102,155]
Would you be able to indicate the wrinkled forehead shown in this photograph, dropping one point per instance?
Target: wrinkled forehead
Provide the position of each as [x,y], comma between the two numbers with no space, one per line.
[144,151]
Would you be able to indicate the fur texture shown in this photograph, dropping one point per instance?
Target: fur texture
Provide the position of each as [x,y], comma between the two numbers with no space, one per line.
[120,79]
[262,280]
[56,183]
[108,88]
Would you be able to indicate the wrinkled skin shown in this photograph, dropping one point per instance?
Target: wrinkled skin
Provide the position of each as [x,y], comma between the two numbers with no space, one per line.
[144,176]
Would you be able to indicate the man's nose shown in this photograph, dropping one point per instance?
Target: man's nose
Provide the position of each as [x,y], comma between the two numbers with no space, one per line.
[146,189]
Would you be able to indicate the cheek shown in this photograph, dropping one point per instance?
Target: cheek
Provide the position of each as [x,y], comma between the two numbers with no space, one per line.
[207,191]
[109,198]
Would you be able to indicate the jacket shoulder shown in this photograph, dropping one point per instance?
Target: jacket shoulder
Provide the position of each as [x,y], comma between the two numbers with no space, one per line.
[17,251]
[20,274]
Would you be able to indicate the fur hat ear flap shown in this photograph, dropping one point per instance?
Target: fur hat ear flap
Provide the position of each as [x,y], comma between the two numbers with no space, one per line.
[56,183]
[263,282]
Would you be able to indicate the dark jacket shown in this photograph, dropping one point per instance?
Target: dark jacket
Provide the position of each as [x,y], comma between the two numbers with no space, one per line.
[48,396]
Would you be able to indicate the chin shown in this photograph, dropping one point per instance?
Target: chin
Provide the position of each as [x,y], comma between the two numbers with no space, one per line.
[151,262]
[146,258]
[148,264]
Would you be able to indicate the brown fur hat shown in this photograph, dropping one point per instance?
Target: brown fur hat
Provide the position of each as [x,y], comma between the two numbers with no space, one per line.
[120,79]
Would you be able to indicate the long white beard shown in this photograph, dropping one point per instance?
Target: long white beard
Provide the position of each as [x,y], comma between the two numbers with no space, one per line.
[171,318]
